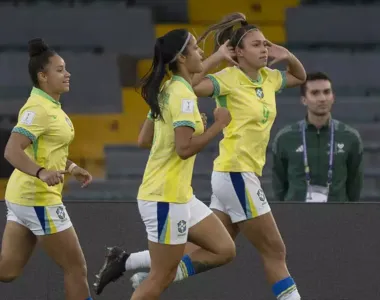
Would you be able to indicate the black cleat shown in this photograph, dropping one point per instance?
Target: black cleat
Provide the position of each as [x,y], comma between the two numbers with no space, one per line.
[113,268]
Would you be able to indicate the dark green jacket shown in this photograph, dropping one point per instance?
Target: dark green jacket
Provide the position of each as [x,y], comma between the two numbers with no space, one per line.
[288,172]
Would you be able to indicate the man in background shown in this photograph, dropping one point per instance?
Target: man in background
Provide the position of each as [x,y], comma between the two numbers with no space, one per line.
[317,159]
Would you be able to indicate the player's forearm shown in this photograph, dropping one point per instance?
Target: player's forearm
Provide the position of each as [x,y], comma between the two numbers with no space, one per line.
[197,143]
[208,64]
[19,160]
[296,68]
[146,134]
[70,165]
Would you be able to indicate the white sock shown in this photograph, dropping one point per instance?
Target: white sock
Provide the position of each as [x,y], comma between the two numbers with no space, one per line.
[293,295]
[138,278]
[138,260]
[180,274]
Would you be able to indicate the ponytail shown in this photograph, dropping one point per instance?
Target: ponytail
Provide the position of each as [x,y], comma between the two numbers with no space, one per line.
[152,81]
[224,30]
[166,50]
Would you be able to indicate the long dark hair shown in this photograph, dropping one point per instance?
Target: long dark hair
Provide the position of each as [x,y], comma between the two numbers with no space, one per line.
[166,49]
[224,30]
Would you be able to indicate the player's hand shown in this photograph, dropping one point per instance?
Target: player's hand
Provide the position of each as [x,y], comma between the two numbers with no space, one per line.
[222,116]
[204,120]
[82,176]
[277,53]
[51,178]
[228,53]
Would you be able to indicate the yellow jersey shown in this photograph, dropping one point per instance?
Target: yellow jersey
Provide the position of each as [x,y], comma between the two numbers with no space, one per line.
[44,122]
[252,105]
[167,177]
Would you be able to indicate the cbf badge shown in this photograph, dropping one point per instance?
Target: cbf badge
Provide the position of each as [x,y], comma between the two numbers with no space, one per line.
[68,121]
[61,213]
[259,93]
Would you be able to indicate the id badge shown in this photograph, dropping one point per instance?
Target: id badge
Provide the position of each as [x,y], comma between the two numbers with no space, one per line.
[317,194]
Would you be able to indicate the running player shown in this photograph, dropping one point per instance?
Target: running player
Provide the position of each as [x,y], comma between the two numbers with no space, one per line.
[248,91]
[38,149]
[171,213]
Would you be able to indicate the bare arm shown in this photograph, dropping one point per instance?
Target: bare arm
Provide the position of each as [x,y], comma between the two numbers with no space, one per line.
[295,74]
[15,155]
[224,53]
[208,64]
[188,145]
[145,139]
[205,88]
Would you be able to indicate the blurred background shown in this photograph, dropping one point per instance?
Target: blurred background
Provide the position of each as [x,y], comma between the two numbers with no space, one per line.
[108,46]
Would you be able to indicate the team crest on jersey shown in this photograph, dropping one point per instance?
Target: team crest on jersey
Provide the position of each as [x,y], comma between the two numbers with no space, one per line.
[68,121]
[259,93]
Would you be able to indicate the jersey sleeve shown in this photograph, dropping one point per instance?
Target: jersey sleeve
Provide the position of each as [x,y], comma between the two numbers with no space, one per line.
[182,110]
[278,78]
[32,122]
[221,82]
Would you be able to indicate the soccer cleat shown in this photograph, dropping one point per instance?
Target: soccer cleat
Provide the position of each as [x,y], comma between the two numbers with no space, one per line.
[137,279]
[112,269]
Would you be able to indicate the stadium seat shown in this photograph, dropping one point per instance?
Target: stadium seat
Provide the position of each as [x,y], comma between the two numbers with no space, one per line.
[108,129]
[134,105]
[355,25]
[109,28]
[274,33]
[344,109]
[126,162]
[168,11]
[258,12]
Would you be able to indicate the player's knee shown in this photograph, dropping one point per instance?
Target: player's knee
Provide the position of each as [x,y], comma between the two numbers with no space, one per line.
[227,252]
[8,271]
[9,277]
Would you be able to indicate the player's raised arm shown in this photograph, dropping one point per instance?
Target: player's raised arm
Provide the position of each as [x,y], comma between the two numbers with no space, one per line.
[295,74]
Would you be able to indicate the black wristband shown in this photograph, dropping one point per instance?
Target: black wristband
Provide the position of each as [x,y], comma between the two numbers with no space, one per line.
[38,172]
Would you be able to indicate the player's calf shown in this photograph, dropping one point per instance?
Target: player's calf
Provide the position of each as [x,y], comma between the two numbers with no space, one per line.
[202,261]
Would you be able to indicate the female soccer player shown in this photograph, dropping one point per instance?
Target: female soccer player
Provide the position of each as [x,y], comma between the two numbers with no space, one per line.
[38,149]
[171,213]
[248,91]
